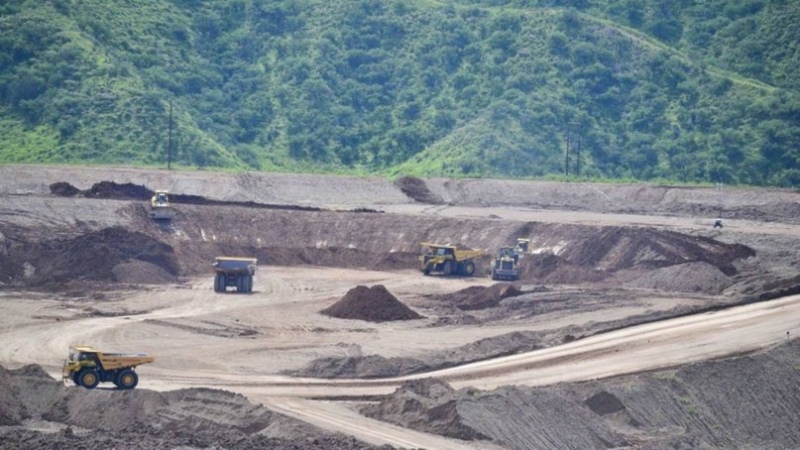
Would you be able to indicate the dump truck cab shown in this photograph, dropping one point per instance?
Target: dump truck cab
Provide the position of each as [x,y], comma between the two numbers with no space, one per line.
[160,207]
[88,367]
[447,260]
[234,272]
[506,264]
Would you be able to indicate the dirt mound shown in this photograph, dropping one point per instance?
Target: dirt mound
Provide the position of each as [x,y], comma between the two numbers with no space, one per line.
[618,248]
[480,297]
[612,250]
[416,189]
[141,272]
[136,439]
[64,189]
[112,190]
[696,277]
[604,403]
[187,418]
[397,260]
[692,407]
[551,268]
[373,304]
[428,405]
[92,256]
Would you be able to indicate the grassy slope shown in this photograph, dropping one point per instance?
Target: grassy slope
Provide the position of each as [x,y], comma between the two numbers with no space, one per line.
[116,69]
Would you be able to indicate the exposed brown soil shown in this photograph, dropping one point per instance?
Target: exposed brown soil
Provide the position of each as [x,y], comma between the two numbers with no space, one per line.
[480,297]
[699,277]
[720,404]
[64,189]
[110,189]
[428,405]
[110,254]
[416,189]
[76,246]
[373,304]
[196,418]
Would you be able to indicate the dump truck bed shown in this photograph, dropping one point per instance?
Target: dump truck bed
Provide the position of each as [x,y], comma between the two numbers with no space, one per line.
[235,265]
[112,361]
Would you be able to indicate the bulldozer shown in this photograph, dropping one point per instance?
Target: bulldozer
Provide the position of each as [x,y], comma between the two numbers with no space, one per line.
[447,260]
[234,271]
[87,366]
[506,264]
[160,207]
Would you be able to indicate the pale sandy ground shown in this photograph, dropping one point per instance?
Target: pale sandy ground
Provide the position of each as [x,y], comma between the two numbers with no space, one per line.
[195,334]
[242,342]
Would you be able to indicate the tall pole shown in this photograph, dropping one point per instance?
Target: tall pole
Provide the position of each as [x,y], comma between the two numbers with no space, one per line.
[579,156]
[566,156]
[169,139]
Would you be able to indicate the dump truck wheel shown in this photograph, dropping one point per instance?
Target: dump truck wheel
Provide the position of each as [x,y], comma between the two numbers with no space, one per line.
[89,378]
[223,282]
[219,285]
[469,268]
[494,275]
[127,379]
[447,268]
[75,379]
[249,283]
[427,270]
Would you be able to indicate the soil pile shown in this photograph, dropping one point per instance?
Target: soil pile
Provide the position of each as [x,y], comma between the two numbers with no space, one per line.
[550,268]
[64,189]
[142,272]
[103,189]
[688,408]
[428,405]
[618,248]
[416,189]
[187,418]
[112,190]
[696,277]
[397,260]
[111,254]
[373,304]
[480,297]
[614,250]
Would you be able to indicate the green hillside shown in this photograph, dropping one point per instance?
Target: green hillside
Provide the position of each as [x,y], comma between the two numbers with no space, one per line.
[686,91]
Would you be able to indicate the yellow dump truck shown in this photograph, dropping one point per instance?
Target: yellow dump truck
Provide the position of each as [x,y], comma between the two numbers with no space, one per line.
[88,367]
[234,271]
[447,259]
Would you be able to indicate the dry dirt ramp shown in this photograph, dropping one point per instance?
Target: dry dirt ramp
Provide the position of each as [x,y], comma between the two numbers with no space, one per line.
[742,402]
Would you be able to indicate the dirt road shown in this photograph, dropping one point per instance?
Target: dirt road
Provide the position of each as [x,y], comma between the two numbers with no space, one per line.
[238,343]
[611,264]
[678,223]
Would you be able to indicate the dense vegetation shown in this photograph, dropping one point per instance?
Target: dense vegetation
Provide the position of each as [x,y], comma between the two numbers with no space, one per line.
[686,91]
